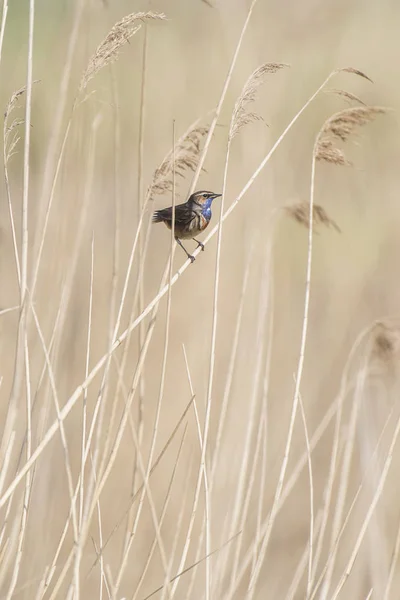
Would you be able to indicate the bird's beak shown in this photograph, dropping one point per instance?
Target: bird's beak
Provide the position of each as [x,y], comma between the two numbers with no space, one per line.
[217,196]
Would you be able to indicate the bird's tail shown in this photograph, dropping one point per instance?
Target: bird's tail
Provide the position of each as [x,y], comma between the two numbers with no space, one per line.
[157,218]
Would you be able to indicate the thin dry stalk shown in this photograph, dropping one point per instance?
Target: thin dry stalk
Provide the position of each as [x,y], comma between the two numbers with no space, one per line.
[11,138]
[28,481]
[84,407]
[239,513]
[141,258]
[241,114]
[56,125]
[293,591]
[185,144]
[344,478]
[310,475]
[222,98]
[162,517]
[370,512]
[109,49]
[19,360]
[3,25]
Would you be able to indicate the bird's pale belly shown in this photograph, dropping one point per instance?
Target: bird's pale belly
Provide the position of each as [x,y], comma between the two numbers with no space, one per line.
[196,226]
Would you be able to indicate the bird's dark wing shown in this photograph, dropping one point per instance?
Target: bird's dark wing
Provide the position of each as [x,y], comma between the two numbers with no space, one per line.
[183,215]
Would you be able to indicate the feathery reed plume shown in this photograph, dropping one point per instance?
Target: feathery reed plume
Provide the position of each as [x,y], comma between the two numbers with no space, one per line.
[300,212]
[338,128]
[117,37]
[10,129]
[347,95]
[186,156]
[241,115]
[354,71]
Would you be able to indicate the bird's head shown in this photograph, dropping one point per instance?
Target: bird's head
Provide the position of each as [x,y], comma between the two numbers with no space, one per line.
[204,198]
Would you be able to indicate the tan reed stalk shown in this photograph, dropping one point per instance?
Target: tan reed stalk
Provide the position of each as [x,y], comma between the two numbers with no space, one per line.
[393,565]
[140,192]
[293,591]
[10,140]
[370,512]
[310,475]
[166,342]
[107,469]
[84,406]
[107,52]
[288,488]
[243,486]
[28,482]
[241,116]
[339,126]
[55,131]
[140,201]
[186,156]
[226,396]
[222,98]
[344,385]
[3,25]
[162,517]
[354,501]
[19,366]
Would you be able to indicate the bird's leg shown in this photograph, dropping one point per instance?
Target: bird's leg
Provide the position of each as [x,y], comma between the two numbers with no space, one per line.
[184,249]
[199,244]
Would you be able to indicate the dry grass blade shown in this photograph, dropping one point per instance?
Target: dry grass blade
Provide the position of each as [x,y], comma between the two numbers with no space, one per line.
[300,212]
[241,115]
[339,127]
[184,157]
[344,94]
[118,37]
[354,71]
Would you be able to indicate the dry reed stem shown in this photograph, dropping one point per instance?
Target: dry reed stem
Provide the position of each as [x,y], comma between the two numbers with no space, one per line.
[109,49]
[222,98]
[243,486]
[370,512]
[241,114]
[3,25]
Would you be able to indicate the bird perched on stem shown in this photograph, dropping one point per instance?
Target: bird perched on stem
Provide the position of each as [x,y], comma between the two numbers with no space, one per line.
[191,218]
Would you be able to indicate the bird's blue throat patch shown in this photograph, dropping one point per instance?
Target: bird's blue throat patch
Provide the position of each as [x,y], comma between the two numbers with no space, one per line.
[206,211]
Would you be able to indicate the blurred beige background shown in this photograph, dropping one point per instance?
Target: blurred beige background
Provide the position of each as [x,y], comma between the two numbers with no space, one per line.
[355,273]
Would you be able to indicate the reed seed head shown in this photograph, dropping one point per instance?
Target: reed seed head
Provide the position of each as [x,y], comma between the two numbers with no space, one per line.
[300,212]
[339,127]
[241,115]
[347,95]
[184,158]
[109,49]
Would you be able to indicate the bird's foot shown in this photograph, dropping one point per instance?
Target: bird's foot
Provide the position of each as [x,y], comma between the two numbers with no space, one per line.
[199,244]
[192,258]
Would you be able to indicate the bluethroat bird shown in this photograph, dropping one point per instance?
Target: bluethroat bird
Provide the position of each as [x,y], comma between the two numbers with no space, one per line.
[191,218]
